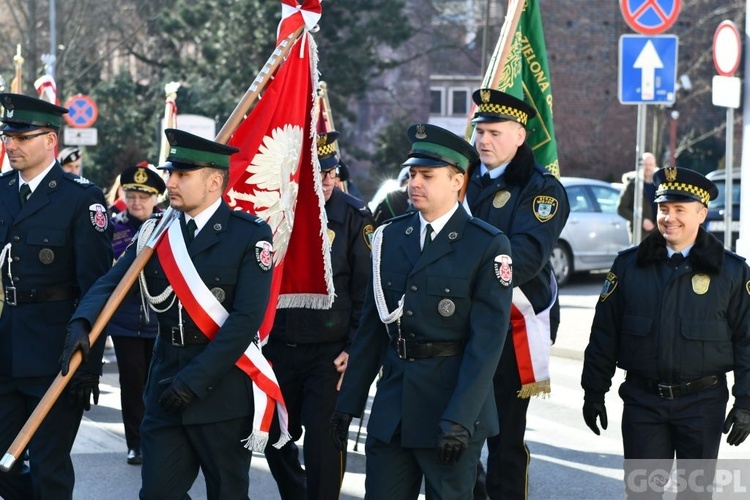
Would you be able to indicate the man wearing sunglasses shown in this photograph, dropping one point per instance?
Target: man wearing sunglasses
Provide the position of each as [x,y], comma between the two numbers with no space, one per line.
[56,241]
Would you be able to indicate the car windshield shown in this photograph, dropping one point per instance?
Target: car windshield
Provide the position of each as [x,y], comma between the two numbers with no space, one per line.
[718,202]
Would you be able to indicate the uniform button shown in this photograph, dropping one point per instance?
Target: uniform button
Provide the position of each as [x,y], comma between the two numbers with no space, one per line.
[16,279]
[411,359]
[414,288]
[216,279]
[409,313]
[16,238]
[388,283]
[412,335]
[46,240]
[154,272]
[16,258]
[447,290]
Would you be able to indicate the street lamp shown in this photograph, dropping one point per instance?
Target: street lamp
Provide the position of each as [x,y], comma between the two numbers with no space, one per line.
[673,138]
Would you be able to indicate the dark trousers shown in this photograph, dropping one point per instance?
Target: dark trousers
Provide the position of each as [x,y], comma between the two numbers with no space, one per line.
[50,471]
[133,358]
[508,456]
[308,378]
[174,453]
[657,430]
[396,473]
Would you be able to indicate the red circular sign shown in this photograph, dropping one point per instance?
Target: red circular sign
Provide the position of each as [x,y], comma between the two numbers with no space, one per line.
[82,111]
[727,48]
[650,17]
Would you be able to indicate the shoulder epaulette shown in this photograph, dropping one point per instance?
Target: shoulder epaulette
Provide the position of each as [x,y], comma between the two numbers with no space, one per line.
[627,250]
[77,180]
[402,216]
[356,202]
[248,217]
[6,174]
[485,225]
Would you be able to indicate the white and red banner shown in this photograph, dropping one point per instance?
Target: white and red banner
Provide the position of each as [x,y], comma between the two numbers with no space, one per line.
[275,174]
[47,89]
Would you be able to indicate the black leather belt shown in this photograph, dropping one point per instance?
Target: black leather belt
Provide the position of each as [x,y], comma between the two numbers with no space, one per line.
[187,335]
[14,296]
[672,391]
[407,349]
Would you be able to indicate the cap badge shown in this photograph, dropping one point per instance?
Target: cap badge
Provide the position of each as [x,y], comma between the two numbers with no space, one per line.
[484,94]
[671,174]
[701,283]
[140,176]
[321,140]
[421,132]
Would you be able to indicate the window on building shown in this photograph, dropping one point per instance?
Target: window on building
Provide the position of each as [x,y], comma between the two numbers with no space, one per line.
[459,102]
[436,101]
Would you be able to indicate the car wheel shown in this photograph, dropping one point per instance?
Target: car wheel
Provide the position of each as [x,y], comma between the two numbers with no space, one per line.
[562,263]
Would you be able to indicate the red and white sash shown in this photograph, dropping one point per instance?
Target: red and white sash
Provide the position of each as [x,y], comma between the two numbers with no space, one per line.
[209,315]
[532,342]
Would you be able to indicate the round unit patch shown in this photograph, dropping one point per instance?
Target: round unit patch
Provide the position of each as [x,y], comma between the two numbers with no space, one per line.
[264,255]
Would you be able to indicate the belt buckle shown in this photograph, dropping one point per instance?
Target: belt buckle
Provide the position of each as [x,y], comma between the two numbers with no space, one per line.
[178,336]
[10,296]
[665,391]
[401,348]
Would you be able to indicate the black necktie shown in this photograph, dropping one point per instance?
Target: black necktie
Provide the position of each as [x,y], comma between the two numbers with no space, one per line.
[676,259]
[24,193]
[486,179]
[427,237]
[191,228]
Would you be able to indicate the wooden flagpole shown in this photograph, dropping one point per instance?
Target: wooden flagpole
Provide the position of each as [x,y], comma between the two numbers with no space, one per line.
[48,400]
[16,85]
[494,71]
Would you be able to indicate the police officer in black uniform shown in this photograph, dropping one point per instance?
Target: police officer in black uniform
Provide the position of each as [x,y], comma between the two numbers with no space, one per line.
[56,241]
[674,313]
[309,348]
[525,201]
[441,283]
[199,403]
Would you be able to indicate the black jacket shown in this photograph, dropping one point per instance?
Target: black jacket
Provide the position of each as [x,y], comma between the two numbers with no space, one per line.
[672,325]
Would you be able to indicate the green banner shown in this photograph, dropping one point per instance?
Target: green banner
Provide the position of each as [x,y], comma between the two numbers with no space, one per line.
[526,76]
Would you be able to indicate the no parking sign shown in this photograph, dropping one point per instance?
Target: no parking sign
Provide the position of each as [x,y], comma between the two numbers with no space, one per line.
[82,111]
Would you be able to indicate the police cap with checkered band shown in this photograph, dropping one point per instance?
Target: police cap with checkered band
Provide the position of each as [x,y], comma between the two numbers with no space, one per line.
[496,106]
[675,184]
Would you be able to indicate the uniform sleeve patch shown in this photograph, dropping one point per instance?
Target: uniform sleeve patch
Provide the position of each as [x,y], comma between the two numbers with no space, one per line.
[610,283]
[747,287]
[367,233]
[545,207]
[264,255]
[504,269]
[99,217]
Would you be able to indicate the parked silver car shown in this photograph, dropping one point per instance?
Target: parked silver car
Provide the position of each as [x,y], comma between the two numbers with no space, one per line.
[594,232]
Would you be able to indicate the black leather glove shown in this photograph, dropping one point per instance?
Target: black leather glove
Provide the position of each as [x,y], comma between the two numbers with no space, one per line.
[82,386]
[739,421]
[338,429]
[77,338]
[176,397]
[452,441]
[590,413]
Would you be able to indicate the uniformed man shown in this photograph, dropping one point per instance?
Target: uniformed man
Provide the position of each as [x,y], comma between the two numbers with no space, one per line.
[209,284]
[70,159]
[441,282]
[525,201]
[674,313]
[308,348]
[56,241]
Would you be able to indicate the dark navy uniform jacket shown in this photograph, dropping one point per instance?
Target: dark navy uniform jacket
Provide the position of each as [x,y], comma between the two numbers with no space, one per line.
[224,254]
[350,226]
[459,266]
[60,242]
[531,207]
[672,325]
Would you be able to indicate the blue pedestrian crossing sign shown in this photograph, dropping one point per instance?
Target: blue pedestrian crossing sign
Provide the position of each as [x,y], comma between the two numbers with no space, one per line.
[647,69]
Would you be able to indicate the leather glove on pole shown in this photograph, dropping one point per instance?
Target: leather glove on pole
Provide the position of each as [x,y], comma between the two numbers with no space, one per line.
[739,421]
[176,397]
[452,441]
[76,339]
[338,429]
[590,413]
[82,386]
